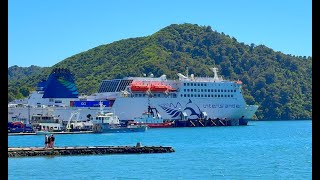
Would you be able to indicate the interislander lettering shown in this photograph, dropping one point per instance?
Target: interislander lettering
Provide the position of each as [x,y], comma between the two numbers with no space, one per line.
[212,106]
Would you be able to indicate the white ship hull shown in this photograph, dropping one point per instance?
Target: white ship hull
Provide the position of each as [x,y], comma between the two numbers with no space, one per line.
[169,108]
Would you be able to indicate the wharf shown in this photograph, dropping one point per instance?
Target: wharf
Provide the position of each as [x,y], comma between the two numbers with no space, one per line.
[62,132]
[209,122]
[86,150]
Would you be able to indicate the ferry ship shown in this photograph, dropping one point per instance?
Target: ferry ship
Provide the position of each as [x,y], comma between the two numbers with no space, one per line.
[187,96]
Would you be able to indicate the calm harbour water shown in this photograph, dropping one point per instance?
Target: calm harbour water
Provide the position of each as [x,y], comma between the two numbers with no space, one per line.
[260,150]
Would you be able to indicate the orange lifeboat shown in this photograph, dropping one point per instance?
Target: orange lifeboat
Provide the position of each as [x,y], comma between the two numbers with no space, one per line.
[155,87]
[139,86]
[171,89]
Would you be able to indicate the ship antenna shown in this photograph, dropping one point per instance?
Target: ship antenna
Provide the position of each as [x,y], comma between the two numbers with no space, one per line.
[101,107]
[187,72]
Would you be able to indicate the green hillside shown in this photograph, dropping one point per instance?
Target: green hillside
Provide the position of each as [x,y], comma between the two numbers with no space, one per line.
[280,84]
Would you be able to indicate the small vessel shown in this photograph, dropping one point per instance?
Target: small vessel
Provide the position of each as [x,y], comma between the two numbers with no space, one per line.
[153,119]
[75,125]
[158,87]
[46,123]
[110,123]
[19,127]
[139,86]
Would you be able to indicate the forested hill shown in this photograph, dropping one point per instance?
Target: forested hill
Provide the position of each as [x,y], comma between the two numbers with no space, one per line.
[16,72]
[280,84]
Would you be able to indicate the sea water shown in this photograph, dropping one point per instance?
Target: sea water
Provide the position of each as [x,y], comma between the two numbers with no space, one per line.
[260,150]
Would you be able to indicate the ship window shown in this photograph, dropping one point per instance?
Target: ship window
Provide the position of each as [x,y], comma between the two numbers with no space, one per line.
[234,90]
[228,95]
[191,95]
[215,95]
[231,95]
[187,90]
[205,84]
[211,95]
[218,95]
[198,95]
[139,95]
[191,90]
[201,90]
[191,84]
[184,84]
[225,95]
[187,84]
[184,90]
[205,90]
[205,95]
[51,100]
[221,90]
[185,95]
[195,90]
[215,90]
[201,95]
[181,95]
[228,90]
[225,90]
[198,90]
[188,95]
[218,90]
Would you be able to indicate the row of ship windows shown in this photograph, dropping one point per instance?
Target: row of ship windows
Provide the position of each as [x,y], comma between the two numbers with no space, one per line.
[209,90]
[206,95]
[196,84]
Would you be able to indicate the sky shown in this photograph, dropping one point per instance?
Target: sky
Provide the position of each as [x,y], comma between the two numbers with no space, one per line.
[43,33]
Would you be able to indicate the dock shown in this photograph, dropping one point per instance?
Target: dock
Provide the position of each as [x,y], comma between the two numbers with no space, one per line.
[49,132]
[86,150]
[209,122]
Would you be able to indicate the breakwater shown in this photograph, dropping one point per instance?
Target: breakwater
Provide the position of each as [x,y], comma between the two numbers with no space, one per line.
[87,150]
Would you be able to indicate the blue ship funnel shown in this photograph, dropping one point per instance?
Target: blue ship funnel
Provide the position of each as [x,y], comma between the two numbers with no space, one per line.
[60,84]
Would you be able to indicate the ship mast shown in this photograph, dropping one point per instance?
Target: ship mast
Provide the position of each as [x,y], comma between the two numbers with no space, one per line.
[101,106]
[215,72]
[187,72]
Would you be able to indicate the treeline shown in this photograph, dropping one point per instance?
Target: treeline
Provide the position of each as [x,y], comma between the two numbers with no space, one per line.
[280,84]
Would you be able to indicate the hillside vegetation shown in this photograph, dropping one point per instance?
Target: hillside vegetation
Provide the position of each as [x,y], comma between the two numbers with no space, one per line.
[280,84]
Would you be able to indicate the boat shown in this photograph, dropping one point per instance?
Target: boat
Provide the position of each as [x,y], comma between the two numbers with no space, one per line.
[158,87]
[76,125]
[139,86]
[109,123]
[46,123]
[187,95]
[152,119]
[19,127]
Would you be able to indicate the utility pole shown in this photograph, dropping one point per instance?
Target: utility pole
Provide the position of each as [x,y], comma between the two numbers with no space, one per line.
[28,121]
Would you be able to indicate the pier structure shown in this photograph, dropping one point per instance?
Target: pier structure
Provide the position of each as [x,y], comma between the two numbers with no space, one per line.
[86,150]
[203,122]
